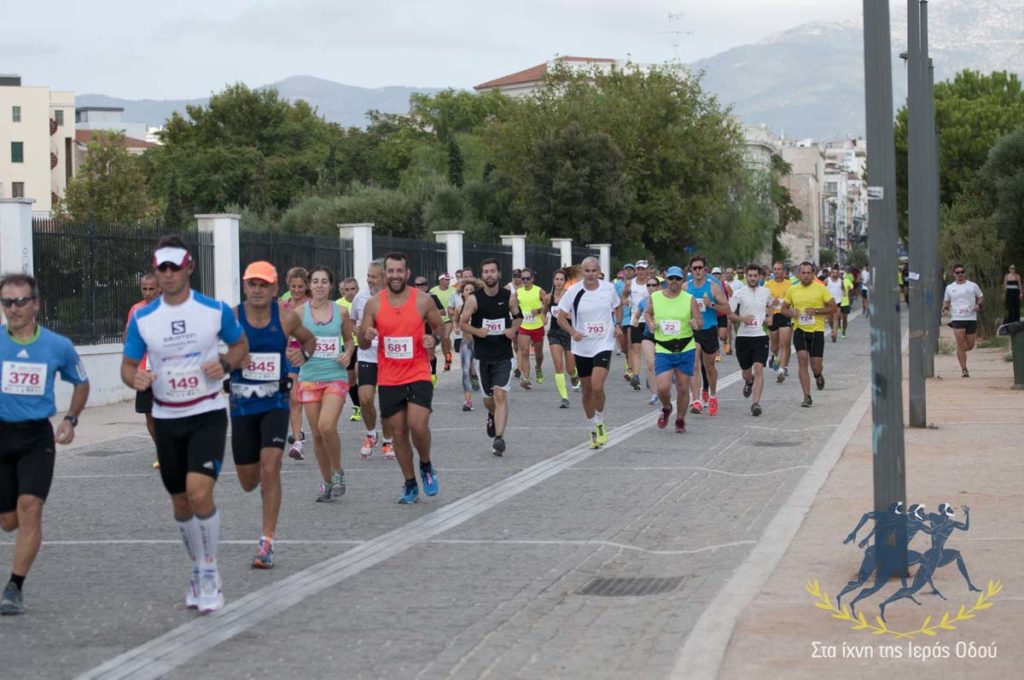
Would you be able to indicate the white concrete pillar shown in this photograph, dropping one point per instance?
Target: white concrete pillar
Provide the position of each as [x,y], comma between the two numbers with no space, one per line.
[361,236]
[453,243]
[564,246]
[518,243]
[604,254]
[16,236]
[227,285]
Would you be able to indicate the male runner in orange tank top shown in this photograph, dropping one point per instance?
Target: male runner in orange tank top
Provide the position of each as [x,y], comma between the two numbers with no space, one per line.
[396,317]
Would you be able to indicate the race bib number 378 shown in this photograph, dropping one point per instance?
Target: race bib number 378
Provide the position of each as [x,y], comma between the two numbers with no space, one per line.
[24,378]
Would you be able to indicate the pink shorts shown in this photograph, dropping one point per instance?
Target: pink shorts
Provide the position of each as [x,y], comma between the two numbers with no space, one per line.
[312,392]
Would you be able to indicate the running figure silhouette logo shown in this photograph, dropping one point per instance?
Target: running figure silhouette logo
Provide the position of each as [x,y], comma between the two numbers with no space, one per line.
[893,533]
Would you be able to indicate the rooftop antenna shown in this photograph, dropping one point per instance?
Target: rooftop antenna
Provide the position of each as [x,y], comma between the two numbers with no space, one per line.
[677,31]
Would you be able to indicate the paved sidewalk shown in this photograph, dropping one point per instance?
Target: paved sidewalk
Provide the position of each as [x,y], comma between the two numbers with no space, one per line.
[970,457]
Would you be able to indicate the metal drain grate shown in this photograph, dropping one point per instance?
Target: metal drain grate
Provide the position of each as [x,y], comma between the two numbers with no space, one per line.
[775,445]
[631,587]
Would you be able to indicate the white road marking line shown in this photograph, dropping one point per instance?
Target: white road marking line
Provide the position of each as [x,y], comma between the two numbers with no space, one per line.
[164,541]
[607,544]
[669,468]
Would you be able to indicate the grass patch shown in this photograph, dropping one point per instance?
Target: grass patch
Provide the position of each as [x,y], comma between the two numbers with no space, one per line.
[946,346]
[996,341]
[1008,357]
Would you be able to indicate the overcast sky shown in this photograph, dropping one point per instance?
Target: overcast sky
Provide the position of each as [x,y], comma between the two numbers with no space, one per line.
[189,48]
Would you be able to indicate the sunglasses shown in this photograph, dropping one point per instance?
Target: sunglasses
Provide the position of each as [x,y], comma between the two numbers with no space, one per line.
[168,266]
[958,272]
[675,278]
[526,278]
[697,267]
[17,302]
[654,285]
[420,283]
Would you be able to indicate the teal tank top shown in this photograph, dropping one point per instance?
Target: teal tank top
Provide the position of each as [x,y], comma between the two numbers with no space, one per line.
[323,365]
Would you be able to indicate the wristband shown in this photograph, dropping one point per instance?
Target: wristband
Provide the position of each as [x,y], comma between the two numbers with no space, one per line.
[225,365]
[72,419]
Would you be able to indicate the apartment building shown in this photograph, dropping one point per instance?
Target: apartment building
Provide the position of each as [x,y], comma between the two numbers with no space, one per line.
[37,142]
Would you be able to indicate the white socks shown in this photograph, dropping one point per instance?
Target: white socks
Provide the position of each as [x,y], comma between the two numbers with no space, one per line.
[193,541]
[209,531]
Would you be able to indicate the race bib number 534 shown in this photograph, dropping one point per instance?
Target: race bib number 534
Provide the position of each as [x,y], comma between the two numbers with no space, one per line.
[24,378]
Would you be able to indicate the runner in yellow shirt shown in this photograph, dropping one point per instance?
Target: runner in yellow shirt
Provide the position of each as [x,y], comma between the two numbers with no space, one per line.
[809,302]
[780,329]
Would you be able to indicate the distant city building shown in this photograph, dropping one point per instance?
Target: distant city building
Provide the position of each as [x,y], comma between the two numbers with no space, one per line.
[37,137]
[108,118]
[802,239]
[844,196]
[136,147]
[528,81]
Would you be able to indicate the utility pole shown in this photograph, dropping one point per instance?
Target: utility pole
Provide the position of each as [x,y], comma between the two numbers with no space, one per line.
[918,185]
[931,268]
[886,370]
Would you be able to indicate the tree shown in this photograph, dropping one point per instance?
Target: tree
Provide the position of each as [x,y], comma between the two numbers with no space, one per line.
[1000,187]
[110,185]
[455,163]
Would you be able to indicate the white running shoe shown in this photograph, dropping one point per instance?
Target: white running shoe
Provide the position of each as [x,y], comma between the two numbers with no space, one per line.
[211,595]
[192,597]
[369,443]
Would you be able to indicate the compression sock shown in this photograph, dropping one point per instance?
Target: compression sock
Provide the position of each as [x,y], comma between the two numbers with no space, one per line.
[209,529]
[560,383]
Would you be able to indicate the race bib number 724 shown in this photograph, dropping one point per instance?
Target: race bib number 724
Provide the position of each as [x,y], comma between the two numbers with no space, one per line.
[24,378]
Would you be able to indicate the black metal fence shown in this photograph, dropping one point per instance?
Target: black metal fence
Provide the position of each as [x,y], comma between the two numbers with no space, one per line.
[475,253]
[89,273]
[580,252]
[426,258]
[285,251]
[544,262]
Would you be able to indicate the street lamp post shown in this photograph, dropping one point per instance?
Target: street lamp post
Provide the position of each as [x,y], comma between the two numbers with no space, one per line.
[917,171]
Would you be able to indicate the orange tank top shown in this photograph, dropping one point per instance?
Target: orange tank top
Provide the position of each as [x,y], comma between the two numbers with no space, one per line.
[401,357]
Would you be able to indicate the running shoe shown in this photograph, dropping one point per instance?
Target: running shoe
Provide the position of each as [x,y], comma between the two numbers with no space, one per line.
[324,495]
[833,336]
[663,418]
[338,484]
[781,377]
[388,450]
[540,376]
[574,380]
[474,382]
[11,603]
[602,434]
[594,443]
[965,374]
[192,596]
[410,495]
[773,363]
[755,409]
[498,446]
[728,349]
[433,380]
[807,401]
[704,395]
[628,375]
[844,335]
[369,444]
[565,404]
[296,449]
[653,400]
[819,380]
[680,426]
[518,374]
[635,382]
[447,362]
[748,387]
[696,407]
[713,406]
[357,414]
[211,594]
[156,465]
[718,358]
[525,383]
[467,405]
[429,477]
[492,432]
[264,555]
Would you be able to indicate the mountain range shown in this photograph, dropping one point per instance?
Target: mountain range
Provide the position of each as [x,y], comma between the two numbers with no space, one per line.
[806,82]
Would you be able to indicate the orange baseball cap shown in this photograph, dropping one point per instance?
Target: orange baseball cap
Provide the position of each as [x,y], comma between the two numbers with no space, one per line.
[260,270]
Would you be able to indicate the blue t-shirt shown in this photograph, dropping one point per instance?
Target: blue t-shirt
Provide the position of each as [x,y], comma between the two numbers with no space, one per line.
[709,314]
[266,368]
[28,373]
[620,286]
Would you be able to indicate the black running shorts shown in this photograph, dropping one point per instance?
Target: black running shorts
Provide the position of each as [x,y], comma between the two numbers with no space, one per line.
[780,320]
[393,398]
[367,373]
[144,401]
[707,339]
[585,365]
[494,375]
[251,434]
[970,326]
[811,342]
[190,444]
[26,461]
[751,350]
[636,333]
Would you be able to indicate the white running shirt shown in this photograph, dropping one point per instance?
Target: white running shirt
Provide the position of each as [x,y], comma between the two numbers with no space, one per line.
[836,288]
[637,292]
[747,301]
[356,314]
[962,298]
[179,339]
[594,319]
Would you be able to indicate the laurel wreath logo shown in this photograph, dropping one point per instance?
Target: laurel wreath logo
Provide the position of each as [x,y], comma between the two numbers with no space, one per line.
[823,601]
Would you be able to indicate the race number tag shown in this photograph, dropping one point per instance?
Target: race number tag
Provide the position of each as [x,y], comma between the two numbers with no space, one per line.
[184,384]
[263,366]
[964,310]
[700,304]
[754,323]
[398,348]
[529,317]
[671,327]
[494,326]
[596,330]
[806,319]
[326,347]
[24,379]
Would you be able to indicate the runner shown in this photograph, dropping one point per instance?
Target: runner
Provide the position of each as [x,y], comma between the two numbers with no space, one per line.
[492,317]
[844,304]
[710,299]
[397,317]
[259,395]
[809,302]
[465,289]
[963,300]
[349,289]
[749,306]
[724,327]
[297,279]
[322,385]
[531,303]
[559,341]
[31,358]
[674,315]
[781,327]
[443,291]
[628,274]
[367,370]
[865,288]
[635,291]
[512,286]
[836,288]
[421,284]
[647,344]
[181,332]
[591,312]
[144,400]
